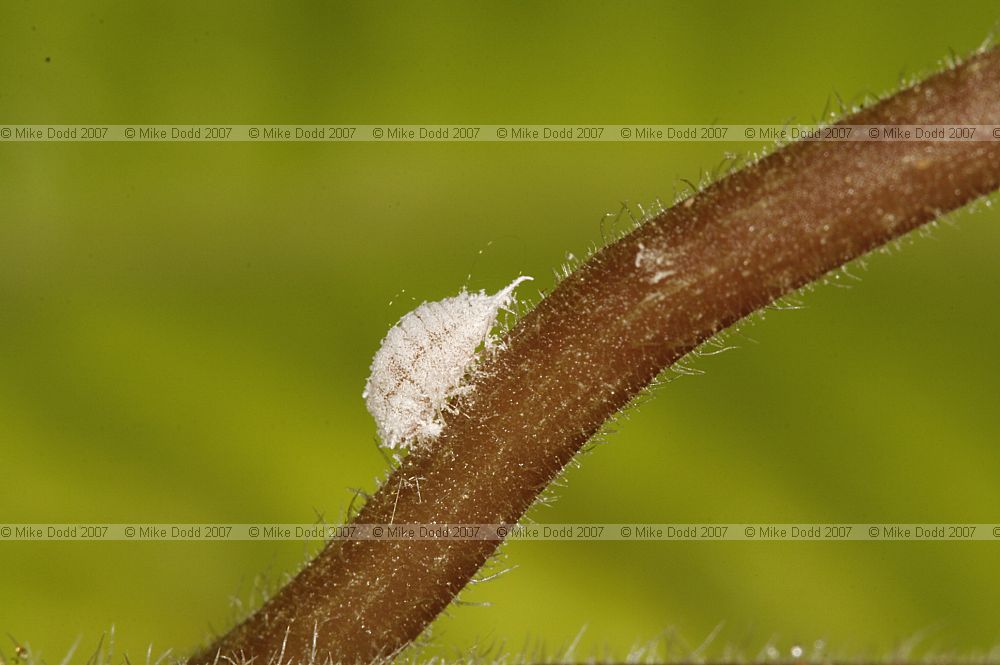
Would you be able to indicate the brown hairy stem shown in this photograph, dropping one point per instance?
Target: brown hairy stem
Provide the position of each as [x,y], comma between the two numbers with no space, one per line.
[602,336]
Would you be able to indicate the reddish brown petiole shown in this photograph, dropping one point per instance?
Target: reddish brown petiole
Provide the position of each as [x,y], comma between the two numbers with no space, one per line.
[633,309]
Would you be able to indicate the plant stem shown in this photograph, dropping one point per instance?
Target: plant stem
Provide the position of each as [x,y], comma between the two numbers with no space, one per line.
[603,335]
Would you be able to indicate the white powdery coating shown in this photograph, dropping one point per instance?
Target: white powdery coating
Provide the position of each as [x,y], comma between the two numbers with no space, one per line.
[423,360]
[657,266]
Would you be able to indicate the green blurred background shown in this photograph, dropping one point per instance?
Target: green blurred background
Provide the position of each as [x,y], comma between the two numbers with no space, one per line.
[185,329]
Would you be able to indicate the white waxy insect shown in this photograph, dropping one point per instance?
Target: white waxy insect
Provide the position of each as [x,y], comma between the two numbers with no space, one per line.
[424,360]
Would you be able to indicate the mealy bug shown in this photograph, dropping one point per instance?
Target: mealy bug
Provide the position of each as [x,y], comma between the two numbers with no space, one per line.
[424,360]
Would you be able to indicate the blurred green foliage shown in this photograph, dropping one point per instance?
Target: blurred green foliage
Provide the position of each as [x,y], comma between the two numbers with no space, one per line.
[185,329]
